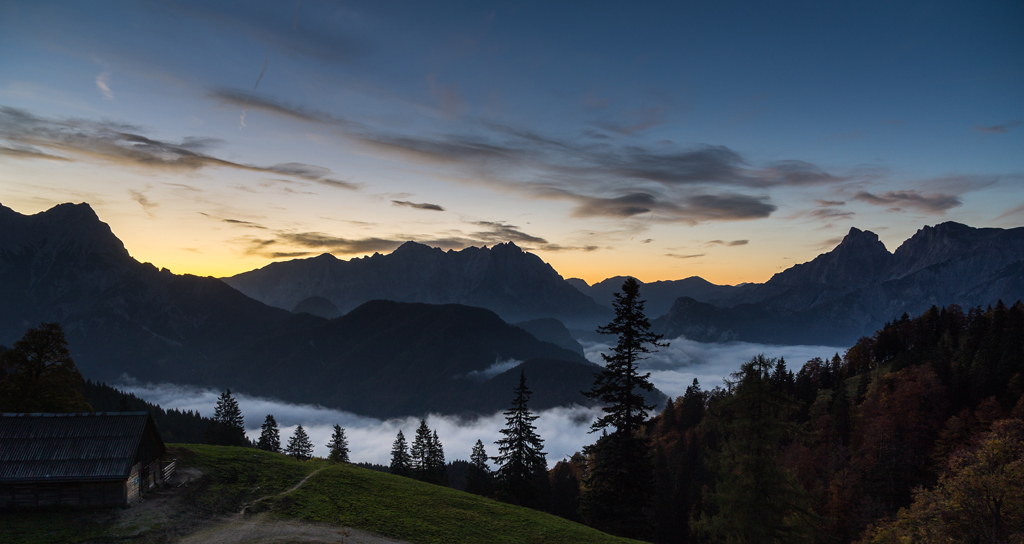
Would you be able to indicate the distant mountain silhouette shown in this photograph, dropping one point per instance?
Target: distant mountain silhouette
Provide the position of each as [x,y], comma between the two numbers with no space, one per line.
[551,330]
[390,359]
[858,286]
[317,306]
[515,284]
[125,318]
[660,295]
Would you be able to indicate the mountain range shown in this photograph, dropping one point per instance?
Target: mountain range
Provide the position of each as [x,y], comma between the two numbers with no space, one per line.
[516,285]
[126,319]
[857,287]
[297,330]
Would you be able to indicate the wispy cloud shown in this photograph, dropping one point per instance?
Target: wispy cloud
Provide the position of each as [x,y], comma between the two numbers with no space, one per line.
[690,185]
[285,244]
[828,213]
[678,256]
[146,203]
[251,100]
[103,84]
[25,152]
[1019,210]
[418,205]
[732,243]
[311,172]
[897,200]
[825,203]
[238,222]
[125,145]
[999,129]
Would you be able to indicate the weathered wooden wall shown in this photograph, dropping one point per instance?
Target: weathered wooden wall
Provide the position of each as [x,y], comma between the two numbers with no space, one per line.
[74,494]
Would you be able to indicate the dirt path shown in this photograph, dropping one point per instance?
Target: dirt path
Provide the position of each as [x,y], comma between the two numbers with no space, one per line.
[265,529]
[241,513]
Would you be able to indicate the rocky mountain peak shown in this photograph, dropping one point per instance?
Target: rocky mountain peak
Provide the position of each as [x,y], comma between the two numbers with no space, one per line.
[64,228]
[860,258]
[950,241]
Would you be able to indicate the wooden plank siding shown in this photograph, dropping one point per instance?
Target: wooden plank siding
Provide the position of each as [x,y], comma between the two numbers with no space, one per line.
[79,460]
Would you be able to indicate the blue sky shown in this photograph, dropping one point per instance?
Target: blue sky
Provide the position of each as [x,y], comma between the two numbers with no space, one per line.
[722,139]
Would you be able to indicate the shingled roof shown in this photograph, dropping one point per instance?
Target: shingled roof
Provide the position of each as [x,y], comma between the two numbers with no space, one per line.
[85,446]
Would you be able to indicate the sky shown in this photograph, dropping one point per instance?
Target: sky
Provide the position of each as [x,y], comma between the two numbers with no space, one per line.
[662,140]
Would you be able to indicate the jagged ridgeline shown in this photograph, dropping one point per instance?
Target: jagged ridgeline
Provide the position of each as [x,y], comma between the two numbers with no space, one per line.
[854,289]
[382,359]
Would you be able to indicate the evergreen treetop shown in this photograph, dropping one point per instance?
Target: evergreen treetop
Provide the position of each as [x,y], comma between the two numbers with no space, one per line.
[270,436]
[227,427]
[338,446]
[619,385]
[400,460]
[478,479]
[520,454]
[299,445]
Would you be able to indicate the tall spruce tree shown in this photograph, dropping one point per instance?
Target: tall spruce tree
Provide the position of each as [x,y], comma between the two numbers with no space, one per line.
[619,483]
[299,446]
[478,479]
[437,471]
[338,446]
[419,453]
[270,436]
[228,426]
[520,459]
[400,460]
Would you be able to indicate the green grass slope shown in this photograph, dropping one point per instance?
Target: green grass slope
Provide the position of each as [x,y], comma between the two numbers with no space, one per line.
[388,505]
[406,509]
[344,495]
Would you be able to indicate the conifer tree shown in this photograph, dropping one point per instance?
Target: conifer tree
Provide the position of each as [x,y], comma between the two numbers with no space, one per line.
[299,445]
[400,460]
[437,472]
[478,480]
[419,453]
[338,446]
[227,427]
[270,436]
[520,458]
[619,483]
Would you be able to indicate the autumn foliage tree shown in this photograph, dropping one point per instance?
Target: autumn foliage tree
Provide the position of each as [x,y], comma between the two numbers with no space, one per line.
[979,499]
[39,375]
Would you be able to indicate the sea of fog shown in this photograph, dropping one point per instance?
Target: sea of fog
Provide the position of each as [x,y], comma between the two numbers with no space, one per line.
[564,429]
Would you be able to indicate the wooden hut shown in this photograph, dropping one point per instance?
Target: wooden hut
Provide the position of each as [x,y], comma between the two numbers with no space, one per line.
[86,459]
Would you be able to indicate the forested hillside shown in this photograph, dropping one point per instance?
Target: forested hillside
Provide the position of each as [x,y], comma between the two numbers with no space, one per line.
[923,416]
